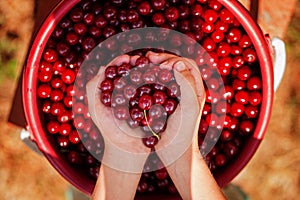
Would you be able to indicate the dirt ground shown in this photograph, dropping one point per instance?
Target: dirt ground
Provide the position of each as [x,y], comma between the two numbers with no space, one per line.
[273,173]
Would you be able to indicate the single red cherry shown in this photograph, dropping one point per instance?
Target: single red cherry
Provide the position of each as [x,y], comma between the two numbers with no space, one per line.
[121,113]
[170,106]
[251,111]
[56,95]
[57,108]
[144,8]
[68,76]
[243,73]
[106,98]
[238,85]
[237,109]
[158,4]
[65,129]
[249,55]
[233,35]
[74,137]
[53,127]
[255,98]
[220,160]
[226,16]
[245,41]
[44,91]
[145,102]
[150,141]
[246,127]
[210,16]
[254,83]
[158,19]
[159,97]
[50,55]
[45,76]
[171,14]
[230,149]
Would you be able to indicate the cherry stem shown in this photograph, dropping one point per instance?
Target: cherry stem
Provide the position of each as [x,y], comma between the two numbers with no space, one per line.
[153,133]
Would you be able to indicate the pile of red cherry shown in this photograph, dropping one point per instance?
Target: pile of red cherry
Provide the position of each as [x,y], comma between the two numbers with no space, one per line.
[143,95]
[230,59]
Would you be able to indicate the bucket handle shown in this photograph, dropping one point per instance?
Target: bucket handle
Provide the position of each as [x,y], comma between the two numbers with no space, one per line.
[279,61]
[25,136]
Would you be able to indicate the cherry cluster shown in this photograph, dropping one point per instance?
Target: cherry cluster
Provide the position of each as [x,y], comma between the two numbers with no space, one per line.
[144,95]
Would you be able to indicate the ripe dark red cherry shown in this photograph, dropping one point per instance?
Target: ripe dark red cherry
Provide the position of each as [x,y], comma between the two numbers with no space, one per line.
[170,106]
[254,98]
[234,35]
[246,127]
[220,160]
[249,55]
[53,127]
[158,4]
[132,16]
[242,97]
[159,97]
[145,102]
[171,14]
[150,141]
[136,114]
[74,137]
[184,11]
[50,55]
[254,83]
[65,129]
[106,98]
[243,73]
[210,16]
[63,141]
[237,109]
[68,76]
[164,76]
[44,91]
[158,19]
[45,76]
[251,111]
[144,8]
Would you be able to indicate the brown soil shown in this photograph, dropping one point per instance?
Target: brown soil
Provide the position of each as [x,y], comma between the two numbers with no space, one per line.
[273,173]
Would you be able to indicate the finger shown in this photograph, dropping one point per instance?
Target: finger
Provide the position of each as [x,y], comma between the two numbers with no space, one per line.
[133,59]
[187,84]
[194,70]
[157,58]
[93,96]
[120,60]
[169,64]
[101,70]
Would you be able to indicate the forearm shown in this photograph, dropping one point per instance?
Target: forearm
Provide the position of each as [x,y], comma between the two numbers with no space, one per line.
[118,182]
[113,184]
[193,178]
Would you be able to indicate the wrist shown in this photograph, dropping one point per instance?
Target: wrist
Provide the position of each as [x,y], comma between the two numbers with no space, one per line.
[123,160]
[179,150]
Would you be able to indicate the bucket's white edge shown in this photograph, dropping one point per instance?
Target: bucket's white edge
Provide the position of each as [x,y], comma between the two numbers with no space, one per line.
[25,136]
[279,61]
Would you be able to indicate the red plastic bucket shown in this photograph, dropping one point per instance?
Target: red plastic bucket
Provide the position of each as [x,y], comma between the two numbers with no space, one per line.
[86,185]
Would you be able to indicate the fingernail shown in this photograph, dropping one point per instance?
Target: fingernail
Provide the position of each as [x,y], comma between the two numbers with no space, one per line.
[164,65]
[179,66]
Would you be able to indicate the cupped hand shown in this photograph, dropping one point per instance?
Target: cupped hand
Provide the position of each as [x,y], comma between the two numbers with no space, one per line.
[182,129]
[123,151]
